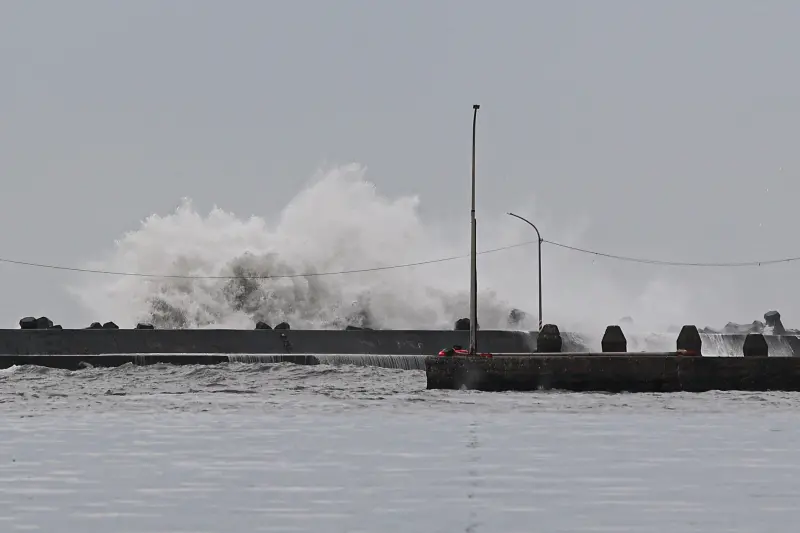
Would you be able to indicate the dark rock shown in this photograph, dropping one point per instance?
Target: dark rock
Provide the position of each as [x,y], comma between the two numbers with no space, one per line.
[755,345]
[614,340]
[773,320]
[43,323]
[110,325]
[262,325]
[57,326]
[689,341]
[283,325]
[462,324]
[27,323]
[356,328]
[549,339]
[142,325]
[95,325]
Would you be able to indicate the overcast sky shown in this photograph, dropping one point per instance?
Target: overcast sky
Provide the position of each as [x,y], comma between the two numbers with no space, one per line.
[660,129]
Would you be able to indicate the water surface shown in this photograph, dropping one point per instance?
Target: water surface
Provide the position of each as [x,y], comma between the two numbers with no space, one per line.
[246,448]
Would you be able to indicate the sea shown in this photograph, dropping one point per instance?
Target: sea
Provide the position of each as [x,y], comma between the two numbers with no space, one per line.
[256,446]
[286,448]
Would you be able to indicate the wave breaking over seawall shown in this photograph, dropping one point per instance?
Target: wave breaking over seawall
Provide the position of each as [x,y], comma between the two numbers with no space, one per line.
[338,223]
[714,344]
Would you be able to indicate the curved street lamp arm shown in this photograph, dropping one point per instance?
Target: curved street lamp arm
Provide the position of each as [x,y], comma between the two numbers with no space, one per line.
[539,235]
[531,224]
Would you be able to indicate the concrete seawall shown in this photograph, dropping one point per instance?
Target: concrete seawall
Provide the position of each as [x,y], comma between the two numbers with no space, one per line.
[380,342]
[613,373]
[686,367]
[377,342]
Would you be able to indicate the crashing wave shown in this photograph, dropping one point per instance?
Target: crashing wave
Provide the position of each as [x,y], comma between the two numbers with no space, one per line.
[229,272]
[238,272]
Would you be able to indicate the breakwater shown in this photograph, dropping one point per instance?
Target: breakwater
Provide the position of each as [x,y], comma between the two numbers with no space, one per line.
[613,373]
[685,368]
[257,341]
[353,342]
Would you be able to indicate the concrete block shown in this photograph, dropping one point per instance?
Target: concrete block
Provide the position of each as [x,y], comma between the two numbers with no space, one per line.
[549,339]
[614,340]
[755,345]
[689,341]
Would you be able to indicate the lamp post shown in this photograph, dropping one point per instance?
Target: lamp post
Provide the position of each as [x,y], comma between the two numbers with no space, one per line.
[539,235]
[473,271]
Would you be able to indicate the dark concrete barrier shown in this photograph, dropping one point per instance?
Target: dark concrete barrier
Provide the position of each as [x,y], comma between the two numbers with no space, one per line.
[614,340]
[98,340]
[689,341]
[357,341]
[686,369]
[549,339]
[755,345]
[144,340]
[613,373]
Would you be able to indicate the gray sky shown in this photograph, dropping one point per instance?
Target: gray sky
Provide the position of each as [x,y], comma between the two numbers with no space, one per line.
[662,130]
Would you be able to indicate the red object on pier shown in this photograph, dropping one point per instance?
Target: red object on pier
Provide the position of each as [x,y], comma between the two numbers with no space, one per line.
[458,350]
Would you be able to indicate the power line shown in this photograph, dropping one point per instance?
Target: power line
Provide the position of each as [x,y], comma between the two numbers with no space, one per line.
[279,276]
[672,263]
[407,265]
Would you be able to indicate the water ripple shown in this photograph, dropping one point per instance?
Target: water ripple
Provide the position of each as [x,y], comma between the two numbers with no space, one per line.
[260,447]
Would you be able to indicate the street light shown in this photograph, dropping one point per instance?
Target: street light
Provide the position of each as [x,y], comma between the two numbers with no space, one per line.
[473,268]
[539,235]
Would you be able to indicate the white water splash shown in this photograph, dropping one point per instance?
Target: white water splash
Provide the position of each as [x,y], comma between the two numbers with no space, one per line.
[339,222]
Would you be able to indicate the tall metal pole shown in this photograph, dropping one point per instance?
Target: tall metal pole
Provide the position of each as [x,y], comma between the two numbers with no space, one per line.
[539,235]
[473,286]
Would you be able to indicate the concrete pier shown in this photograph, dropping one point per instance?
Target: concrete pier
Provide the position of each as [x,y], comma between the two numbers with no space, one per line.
[686,369]
[613,373]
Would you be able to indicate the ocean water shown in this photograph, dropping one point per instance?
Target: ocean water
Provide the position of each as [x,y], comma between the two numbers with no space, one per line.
[244,448]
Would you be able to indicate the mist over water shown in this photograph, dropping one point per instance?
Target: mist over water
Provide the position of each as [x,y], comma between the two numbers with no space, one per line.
[340,222]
